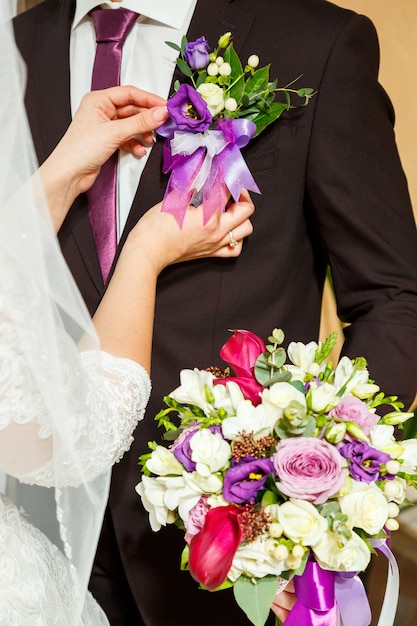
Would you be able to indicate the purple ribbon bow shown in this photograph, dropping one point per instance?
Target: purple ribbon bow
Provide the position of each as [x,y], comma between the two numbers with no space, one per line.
[204,165]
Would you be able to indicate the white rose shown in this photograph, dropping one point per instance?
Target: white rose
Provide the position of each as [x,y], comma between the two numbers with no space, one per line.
[354,556]
[301,522]
[192,388]
[210,451]
[277,397]
[344,376]
[322,397]
[248,418]
[163,462]
[213,95]
[409,456]
[365,506]
[152,493]
[255,560]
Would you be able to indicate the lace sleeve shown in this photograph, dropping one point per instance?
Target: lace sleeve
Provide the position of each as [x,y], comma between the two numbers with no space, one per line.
[115,396]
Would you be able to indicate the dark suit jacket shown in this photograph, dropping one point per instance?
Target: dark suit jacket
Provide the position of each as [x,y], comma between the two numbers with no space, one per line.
[333,192]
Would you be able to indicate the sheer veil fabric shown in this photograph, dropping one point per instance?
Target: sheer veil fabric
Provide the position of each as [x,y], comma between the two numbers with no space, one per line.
[40,302]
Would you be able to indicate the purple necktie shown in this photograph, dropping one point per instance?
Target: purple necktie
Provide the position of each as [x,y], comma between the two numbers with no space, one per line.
[112,27]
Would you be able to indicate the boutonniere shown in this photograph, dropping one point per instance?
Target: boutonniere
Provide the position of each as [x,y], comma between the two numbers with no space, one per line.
[213,114]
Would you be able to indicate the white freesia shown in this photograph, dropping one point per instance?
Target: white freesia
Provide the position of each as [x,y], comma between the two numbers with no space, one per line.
[163,462]
[322,397]
[364,390]
[228,397]
[365,506]
[192,388]
[209,451]
[346,375]
[381,436]
[302,356]
[301,522]
[248,418]
[152,493]
[255,560]
[354,556]
[409,456]
[277,397]
[203,484]
[213,95]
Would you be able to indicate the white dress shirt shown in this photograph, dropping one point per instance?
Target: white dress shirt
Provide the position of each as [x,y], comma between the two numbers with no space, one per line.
[147,63]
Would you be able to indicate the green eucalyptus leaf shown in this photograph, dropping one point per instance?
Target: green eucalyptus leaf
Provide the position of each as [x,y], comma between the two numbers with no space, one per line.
[173,45]
[184,67]
[263,120]
[255,599]
[258,82]
[184,42]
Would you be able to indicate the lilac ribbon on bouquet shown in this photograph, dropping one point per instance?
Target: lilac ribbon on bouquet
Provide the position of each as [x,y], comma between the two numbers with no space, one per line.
[322,595]
[204,164]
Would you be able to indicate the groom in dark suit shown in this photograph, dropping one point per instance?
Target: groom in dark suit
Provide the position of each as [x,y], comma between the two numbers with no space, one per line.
[333,193]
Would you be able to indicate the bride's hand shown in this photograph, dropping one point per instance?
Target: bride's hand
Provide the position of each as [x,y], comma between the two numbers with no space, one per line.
[166,243]
[284,602]
[119,117]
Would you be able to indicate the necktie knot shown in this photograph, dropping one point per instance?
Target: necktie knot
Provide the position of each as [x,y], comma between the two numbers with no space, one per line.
[112,24]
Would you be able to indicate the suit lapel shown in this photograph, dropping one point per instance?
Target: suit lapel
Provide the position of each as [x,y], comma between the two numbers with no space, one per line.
[55,116]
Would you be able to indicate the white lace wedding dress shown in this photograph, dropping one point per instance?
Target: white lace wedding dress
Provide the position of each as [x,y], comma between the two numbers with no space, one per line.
[35,587]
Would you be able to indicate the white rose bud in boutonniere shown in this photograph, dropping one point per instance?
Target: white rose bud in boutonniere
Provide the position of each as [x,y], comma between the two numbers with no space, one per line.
[213,96]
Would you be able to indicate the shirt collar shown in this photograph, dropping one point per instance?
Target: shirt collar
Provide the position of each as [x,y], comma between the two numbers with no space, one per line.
[165,11]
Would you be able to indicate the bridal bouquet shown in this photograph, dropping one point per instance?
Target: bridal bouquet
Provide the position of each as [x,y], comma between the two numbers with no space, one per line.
[213,115]
[283,469]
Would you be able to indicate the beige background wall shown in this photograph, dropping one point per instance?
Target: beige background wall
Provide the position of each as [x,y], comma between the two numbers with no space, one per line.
[396,23]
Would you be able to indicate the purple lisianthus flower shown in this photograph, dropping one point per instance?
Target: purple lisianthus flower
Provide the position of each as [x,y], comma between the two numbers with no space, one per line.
[243,480]
[182,450]
[364,461]
[196,53]
[188,112]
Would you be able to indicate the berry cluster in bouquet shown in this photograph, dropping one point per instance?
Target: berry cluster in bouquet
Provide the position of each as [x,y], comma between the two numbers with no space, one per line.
[282,468]
[219,108]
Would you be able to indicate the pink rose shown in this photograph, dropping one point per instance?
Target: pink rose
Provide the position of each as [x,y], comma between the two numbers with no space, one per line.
[308,468]
[352,409]
[196,518]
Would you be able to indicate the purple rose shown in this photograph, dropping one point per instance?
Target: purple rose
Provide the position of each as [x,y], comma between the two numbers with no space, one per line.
[364,461]
[352,409]
[243,480]
[197,53]
[309,468]
[188,112]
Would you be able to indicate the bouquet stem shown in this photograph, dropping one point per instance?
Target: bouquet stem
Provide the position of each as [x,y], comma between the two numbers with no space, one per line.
[278,621]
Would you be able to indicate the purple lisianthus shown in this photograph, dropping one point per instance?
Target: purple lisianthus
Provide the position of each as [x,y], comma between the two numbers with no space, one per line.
[182,449]
[196,53]
[188,112]
[364,461]
[243,480]
[352,409]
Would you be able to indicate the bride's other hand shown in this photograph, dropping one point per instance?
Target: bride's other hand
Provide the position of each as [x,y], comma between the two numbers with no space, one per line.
[105,121]
[284,602]
[124,318]
[166,243]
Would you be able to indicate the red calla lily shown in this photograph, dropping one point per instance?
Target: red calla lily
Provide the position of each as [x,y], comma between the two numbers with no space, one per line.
[241,352]
[213,548]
